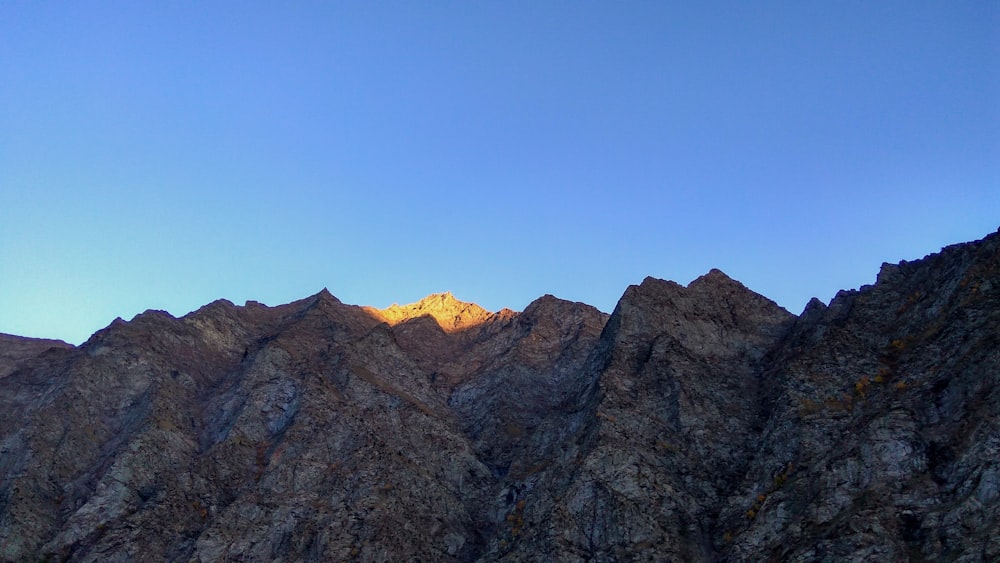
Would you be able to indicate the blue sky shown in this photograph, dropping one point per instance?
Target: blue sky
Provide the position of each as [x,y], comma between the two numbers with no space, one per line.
[161,155]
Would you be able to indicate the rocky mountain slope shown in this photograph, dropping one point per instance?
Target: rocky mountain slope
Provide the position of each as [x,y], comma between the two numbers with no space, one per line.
[698,423]
[16,350]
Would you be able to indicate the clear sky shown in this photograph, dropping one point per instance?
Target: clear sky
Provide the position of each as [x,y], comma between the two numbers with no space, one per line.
[161,155]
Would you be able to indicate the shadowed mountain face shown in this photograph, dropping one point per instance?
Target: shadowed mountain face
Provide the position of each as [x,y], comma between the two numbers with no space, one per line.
[698,423]
[15,351]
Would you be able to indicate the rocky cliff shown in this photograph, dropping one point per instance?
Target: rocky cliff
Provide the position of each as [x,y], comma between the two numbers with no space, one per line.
[698,423]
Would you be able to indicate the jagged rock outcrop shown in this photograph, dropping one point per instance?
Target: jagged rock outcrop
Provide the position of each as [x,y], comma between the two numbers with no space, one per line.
[676,417]
[698,423]
[883,433]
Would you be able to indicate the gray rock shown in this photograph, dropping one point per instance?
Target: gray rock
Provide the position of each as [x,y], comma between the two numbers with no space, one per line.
[698,423]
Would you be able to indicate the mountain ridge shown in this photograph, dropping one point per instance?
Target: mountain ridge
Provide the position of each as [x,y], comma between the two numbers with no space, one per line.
[700,422]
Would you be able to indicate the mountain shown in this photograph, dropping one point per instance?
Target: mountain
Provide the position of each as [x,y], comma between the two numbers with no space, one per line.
[450,314]
[697,423]
[16,350]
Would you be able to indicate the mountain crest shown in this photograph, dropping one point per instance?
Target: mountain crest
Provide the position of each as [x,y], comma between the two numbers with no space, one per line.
[450,313]
[696,423]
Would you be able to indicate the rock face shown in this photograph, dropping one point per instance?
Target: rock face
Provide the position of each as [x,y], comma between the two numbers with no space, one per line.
[698,423]
[450,314]
[15,351]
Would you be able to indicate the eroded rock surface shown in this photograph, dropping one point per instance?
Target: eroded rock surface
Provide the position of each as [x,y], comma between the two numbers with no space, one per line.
[698,423]
[15,351]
